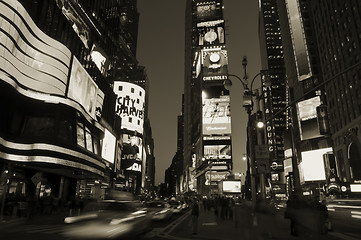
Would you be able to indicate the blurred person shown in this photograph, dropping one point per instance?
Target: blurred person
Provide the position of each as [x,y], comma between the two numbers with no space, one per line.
[194,215]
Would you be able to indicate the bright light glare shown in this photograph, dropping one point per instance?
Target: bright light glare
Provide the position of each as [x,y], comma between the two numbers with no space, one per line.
[204,95]
[260,124]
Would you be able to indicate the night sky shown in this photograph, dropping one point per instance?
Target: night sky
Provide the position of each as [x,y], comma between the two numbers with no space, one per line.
[161,50]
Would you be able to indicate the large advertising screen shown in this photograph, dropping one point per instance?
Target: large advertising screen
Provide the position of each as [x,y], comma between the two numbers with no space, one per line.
[208,10]
[132,153]
[216,116]
[210,33]
[130,105]
[307,118]
[231,186]
[312,165]
[214,64]
[215,176]
[100,59]
[217,152]
[82,88]
[108,146]
[299,41]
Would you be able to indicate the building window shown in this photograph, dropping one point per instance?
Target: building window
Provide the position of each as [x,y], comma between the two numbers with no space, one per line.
[132,90]
[120,88]
[39,126]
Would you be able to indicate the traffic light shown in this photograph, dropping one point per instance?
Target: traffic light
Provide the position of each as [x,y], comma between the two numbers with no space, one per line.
[259,119]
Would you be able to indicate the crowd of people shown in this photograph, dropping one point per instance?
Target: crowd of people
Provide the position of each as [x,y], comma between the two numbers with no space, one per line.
[30,206]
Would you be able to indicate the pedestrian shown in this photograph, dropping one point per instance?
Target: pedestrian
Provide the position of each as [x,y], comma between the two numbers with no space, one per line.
[195,214]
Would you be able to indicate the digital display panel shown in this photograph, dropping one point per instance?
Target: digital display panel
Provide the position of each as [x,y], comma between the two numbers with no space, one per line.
[231,186]
[100,59]
[312,165]
[208,10]
[130,105]
[299,41]
[210,33]
[215,176]
[307,117]
[132,153]
[108,146]
[217,152]
[216,115]
[214,64]
[82,88]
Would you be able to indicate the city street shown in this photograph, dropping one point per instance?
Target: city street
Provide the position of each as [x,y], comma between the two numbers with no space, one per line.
[267,226]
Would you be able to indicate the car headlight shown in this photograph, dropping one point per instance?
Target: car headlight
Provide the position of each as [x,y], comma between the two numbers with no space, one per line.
[343,188]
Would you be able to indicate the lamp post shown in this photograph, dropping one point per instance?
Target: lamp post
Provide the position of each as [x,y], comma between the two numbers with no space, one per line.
[248,105]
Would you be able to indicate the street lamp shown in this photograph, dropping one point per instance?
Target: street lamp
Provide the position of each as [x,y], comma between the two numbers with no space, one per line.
[248,105]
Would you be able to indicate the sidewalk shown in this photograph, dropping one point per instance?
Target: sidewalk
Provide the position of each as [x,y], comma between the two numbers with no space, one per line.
[267,226]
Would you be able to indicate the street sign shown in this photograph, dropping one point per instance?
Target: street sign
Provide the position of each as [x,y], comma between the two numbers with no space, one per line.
[36,178]
[261,152]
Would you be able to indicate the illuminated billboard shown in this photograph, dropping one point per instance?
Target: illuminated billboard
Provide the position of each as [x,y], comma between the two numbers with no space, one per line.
[216,115]
[312,165]
[302,60]
[307,118]
[214,64]
[231,186]
[215,176]
[208,10]
[132,153]
[82,88]
[217,152]
[100,59]
[108,146]
[130,105]
[210,33]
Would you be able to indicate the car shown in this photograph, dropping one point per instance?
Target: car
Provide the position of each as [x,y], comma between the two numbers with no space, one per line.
[175,205]
[109,219]
[159,210]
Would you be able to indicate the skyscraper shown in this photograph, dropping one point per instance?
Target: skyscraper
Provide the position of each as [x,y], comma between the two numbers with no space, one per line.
[207,123]
[272,59]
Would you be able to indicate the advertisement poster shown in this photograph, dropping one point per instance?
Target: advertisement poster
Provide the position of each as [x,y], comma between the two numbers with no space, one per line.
[82,88]
[217,152]
[214,63]
[216,116]
[210,33]
[108,146]
[132,153]
[307,117]
[130,105]
[208,10]
[312,165]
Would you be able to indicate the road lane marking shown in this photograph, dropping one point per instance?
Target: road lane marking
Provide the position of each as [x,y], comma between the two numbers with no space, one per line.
[344,206]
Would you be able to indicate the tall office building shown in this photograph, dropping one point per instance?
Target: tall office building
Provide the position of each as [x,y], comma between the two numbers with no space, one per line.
[207,120]
[274,95]
[337,27]
[310,145]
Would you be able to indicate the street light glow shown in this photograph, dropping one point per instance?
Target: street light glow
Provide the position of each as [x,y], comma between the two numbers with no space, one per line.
[260,124]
